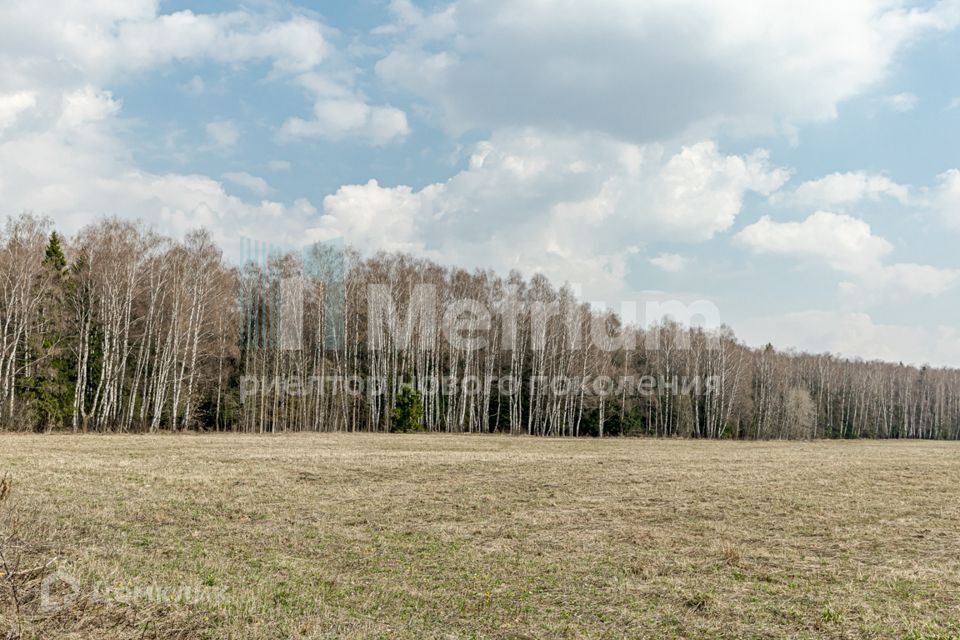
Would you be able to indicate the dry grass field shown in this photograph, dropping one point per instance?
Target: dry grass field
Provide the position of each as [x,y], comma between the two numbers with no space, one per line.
[391,536]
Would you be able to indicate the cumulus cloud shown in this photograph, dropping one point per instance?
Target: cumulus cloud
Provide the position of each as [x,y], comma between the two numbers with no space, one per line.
[98,179]
[374,216]
[847,245]
[102,39]
[843,242]
[424,25]
[749,66]
[93,44]
[844,189]
[917,278]
[69,159]
[945,197]
[336,119]
[670,262]
[87,105]
[854,334]
[70,163]
[14,104]
[252,183]
[570,206]
[339,112]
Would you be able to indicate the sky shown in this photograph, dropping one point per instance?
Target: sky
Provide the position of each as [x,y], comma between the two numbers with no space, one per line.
[794,164]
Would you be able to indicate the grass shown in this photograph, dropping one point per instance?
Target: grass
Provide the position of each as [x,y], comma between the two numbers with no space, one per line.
[409,536]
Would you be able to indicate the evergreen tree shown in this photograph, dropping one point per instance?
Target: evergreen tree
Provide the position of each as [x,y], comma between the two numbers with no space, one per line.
[408,413]
[49,389]
[54,257]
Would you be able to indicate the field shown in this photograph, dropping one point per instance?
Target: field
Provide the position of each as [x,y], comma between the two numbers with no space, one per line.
[395,536]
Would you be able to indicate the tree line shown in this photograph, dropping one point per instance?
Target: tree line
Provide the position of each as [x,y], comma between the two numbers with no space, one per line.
[122,329]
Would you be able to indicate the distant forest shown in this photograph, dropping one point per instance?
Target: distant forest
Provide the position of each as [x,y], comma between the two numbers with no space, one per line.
[120,329]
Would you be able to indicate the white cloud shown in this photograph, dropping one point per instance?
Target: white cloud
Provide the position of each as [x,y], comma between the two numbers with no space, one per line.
[425,26]
[99,40]
[279,165]
[297,44]
[335,119]
[86,48]
[71,164]
[750,66]
[954,104]
[377,217]
[70,159]
[945,198]
[339,112]
[917,278]
[854,334]
[87,105]
[254,184]
[844,189]
[846,245]
[570,206]
[670,262]
[75,184]
[223,133]
[902,102]
[13,104]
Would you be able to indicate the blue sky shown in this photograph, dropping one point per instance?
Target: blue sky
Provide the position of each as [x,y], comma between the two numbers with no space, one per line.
[797,166]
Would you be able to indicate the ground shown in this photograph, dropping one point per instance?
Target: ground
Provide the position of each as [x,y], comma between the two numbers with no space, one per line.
[433,536]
